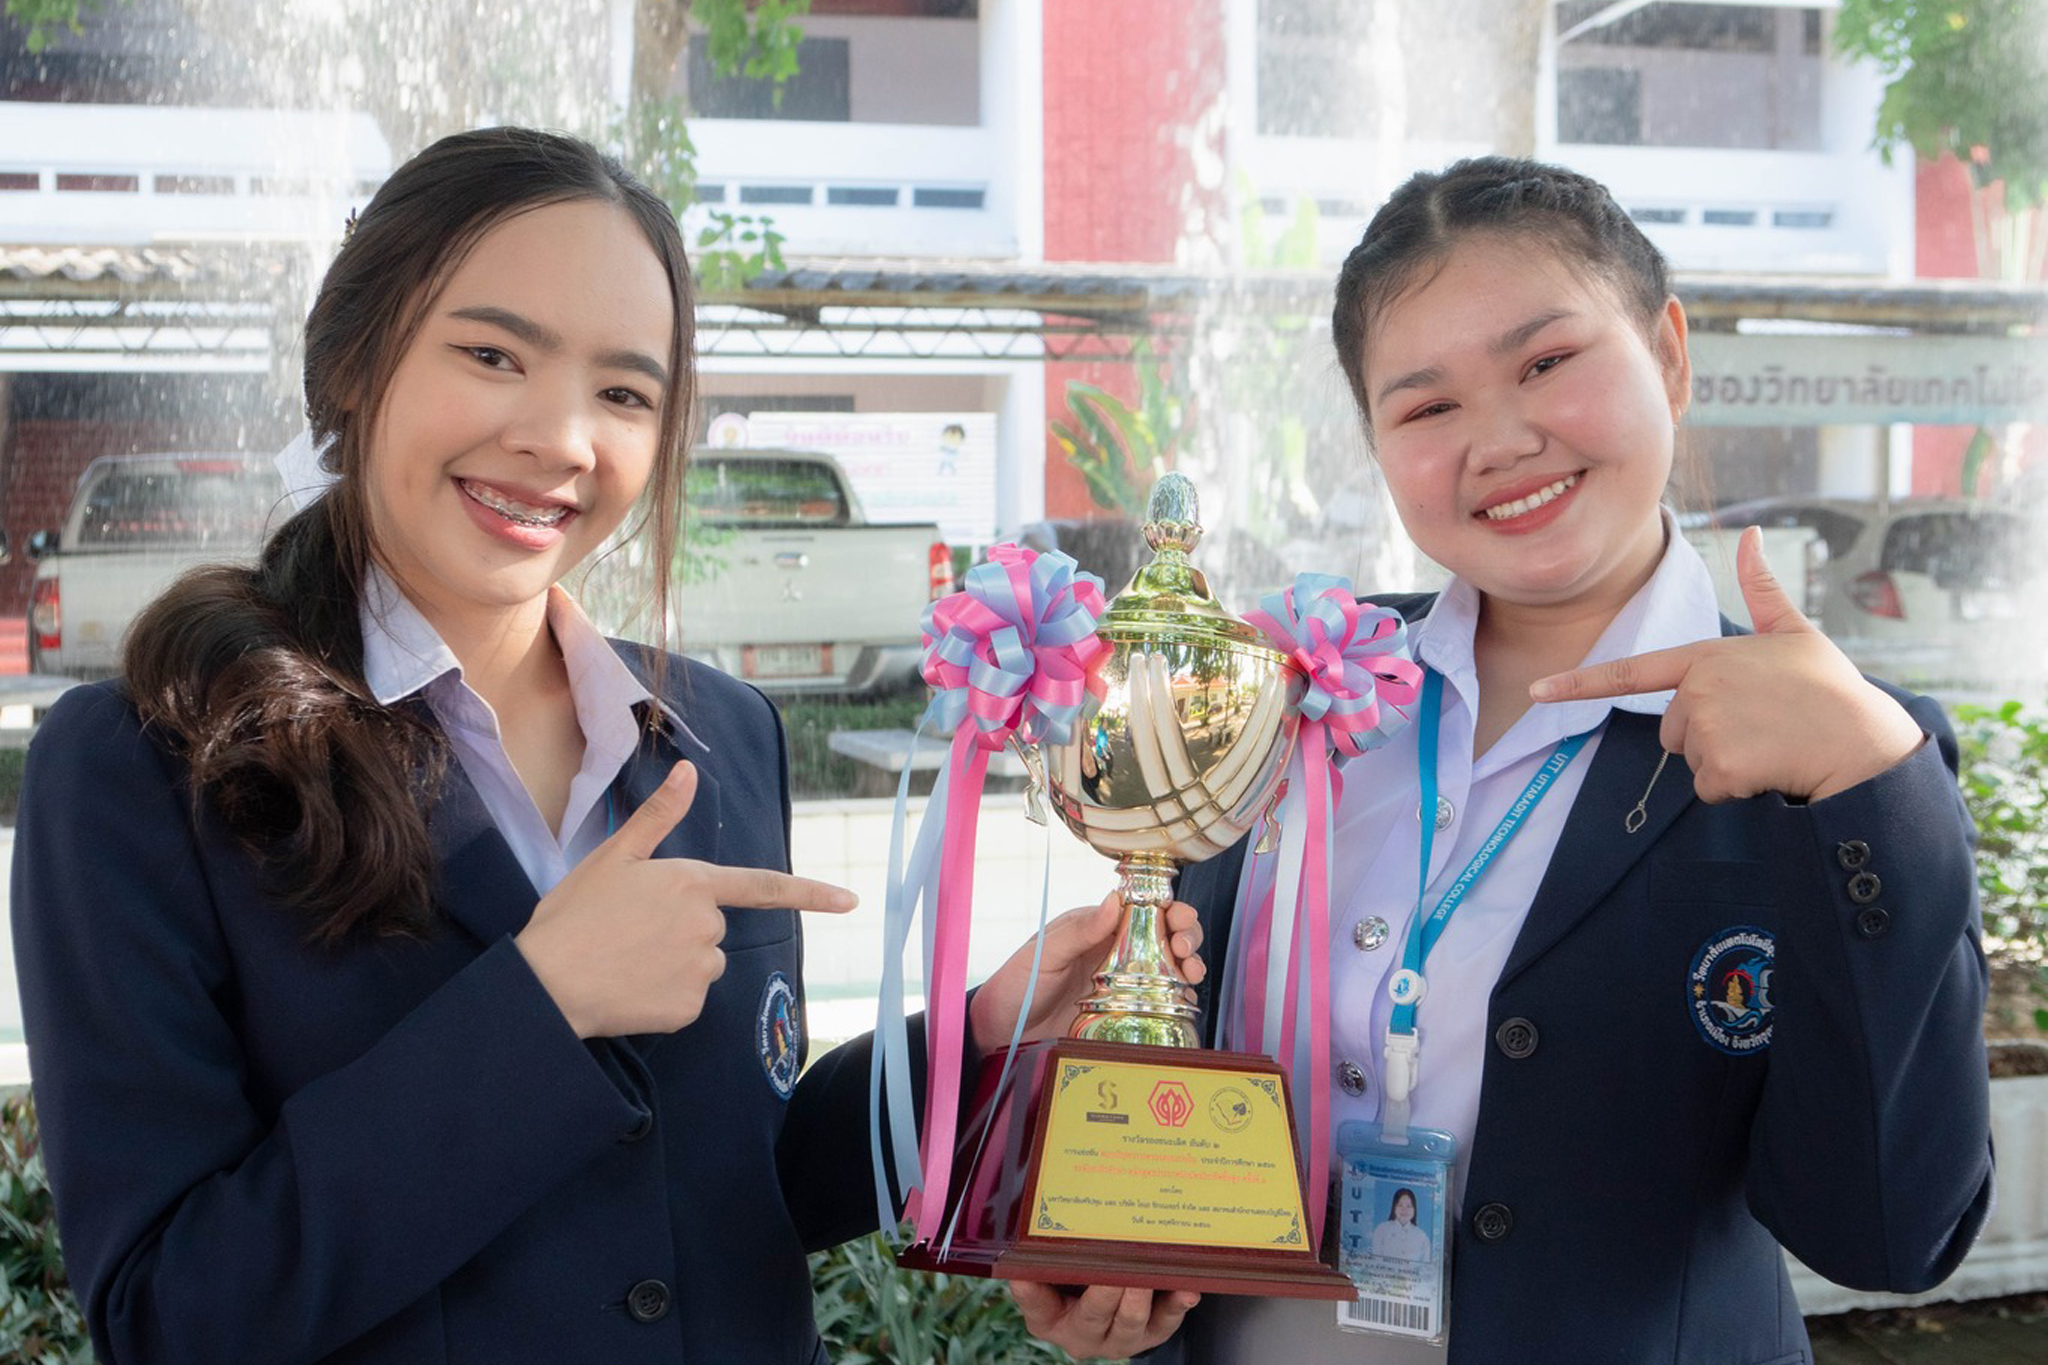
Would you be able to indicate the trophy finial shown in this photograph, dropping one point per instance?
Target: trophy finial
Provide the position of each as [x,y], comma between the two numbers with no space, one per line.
[1173,515]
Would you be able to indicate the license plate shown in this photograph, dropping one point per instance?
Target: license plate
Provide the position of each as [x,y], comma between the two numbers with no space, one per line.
[786,661]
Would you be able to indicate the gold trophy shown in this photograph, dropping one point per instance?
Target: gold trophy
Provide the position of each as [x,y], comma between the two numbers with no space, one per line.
[1125,1153]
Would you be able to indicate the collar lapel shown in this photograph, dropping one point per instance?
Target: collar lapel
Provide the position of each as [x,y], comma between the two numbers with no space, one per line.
[698,834]
[1596,849]
[483,888]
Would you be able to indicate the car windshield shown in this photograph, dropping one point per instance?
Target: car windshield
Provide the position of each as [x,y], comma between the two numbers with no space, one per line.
[1961,549]
[1837,528]
[181,502]
[754,492]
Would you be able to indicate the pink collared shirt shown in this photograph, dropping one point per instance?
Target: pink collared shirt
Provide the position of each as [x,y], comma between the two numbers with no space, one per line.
[1377,839]
[403,655]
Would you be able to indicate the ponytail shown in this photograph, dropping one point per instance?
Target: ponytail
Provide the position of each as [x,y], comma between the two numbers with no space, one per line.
[255,676]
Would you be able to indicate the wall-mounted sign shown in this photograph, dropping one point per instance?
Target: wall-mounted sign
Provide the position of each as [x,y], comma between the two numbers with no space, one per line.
[1818,381]
[905,466]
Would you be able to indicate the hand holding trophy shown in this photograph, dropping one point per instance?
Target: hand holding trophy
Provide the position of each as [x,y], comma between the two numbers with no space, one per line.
[1125,1154]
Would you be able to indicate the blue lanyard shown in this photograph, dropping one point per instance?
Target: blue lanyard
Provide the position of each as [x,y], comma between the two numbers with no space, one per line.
[1423,931]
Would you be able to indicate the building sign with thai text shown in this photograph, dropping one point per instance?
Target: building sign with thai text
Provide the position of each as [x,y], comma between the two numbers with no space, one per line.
[1832,380]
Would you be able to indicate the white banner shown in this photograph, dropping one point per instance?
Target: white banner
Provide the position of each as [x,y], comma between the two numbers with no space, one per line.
[904,466]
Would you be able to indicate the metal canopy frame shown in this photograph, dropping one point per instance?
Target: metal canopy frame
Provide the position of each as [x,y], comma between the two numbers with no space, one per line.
[210,308]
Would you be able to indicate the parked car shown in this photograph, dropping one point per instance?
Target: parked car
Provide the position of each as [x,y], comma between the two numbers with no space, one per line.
[136,522]
[791,587]
[1940,594]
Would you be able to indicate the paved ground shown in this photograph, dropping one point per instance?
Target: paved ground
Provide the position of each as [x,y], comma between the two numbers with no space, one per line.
[1989,1332]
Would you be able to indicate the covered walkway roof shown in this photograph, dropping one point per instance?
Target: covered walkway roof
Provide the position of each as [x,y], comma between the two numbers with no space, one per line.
[211,307]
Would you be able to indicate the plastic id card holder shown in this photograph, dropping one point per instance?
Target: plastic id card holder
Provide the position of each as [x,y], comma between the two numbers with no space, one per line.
[1391,1237]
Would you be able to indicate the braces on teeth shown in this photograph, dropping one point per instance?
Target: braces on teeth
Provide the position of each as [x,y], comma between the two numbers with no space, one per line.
[507,510]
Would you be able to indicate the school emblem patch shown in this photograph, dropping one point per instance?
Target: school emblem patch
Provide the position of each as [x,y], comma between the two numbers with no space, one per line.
[1729,990]
[778,1035]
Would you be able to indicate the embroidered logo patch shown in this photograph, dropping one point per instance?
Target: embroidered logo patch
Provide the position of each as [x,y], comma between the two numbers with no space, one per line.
[1729,990]
[778,1036]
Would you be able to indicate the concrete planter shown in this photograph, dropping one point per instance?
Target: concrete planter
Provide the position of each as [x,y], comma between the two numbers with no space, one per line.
[2011,1255]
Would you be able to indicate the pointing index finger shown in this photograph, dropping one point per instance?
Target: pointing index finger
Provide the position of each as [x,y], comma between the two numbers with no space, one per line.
[1660,670]
[759,888]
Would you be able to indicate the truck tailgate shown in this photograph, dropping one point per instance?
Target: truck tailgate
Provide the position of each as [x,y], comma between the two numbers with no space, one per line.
[102,593]
[851,585]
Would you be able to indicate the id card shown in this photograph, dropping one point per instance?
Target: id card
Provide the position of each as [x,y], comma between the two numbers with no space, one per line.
[1392,1225]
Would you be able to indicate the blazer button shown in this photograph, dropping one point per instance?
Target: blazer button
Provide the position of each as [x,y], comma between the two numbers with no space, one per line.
[642,1126]
[1852,855]
[1875,922]
[648,1300]
[1863,887]
[1516,1038]
[1493,1222]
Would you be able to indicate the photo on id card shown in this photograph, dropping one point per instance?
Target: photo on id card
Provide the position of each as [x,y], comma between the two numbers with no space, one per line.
[1392,1235]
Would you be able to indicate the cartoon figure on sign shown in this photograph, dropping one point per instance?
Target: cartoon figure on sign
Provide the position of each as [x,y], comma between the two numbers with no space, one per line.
[950,441]
[1170,1104]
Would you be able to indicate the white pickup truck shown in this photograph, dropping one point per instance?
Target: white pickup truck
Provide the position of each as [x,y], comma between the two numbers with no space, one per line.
[790,586]
[783,581]
[137,522]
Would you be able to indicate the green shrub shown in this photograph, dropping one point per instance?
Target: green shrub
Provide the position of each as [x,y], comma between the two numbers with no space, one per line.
[814,770]
[11,763]
[39,1320]
[2005,784]
[871,1313]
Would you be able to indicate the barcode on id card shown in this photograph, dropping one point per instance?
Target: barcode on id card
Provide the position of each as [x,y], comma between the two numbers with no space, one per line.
[1406,1317]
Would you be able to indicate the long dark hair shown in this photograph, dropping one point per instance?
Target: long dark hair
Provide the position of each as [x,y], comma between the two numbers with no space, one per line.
[255,676]
[1433,211]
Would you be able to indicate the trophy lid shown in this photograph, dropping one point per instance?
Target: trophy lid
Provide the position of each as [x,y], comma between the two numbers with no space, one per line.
[1170,595]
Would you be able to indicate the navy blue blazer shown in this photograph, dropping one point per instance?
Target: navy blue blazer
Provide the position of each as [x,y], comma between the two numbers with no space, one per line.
[1631,1177]
[398,1151]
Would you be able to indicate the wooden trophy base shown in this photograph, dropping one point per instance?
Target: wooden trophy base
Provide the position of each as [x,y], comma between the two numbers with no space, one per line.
[1142,1167]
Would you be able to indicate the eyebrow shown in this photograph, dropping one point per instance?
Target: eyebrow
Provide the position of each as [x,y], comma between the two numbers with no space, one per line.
[549,340]
[1511,340]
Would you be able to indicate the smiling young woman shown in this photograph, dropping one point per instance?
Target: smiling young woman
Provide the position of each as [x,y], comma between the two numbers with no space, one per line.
[412,974]
[1695,1012]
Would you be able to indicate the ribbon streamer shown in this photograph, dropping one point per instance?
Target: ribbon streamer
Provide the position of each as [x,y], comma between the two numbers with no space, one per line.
[1012,656]
[1363,685]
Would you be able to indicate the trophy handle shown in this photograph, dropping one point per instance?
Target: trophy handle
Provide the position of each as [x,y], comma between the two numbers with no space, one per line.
[1139,995]
[1035,790]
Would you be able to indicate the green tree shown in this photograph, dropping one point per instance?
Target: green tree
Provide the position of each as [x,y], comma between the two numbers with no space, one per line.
[1965,77]
[1961,76]
[1120,450]
[45,19]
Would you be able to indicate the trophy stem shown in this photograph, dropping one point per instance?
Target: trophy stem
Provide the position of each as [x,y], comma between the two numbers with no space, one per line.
[1139,994]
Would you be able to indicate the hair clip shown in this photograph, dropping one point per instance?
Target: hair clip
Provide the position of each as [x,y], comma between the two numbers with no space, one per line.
[348,228]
